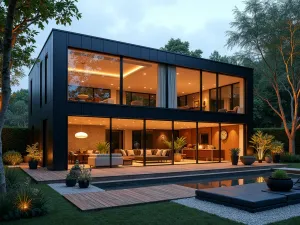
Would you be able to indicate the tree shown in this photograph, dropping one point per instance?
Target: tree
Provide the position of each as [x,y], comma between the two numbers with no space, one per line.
[226,59]
[19,21]
[181,47]
[268,32]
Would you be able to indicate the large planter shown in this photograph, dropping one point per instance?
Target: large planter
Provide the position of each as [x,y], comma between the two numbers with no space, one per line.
[33,164]
[280,184]
[26,159]
[234,159]
[268,159]
[177,157]
[71,182]
[83,183]
[247,160]
[276,158]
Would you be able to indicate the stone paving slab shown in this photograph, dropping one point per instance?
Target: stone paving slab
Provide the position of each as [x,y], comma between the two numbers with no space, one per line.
[62,189]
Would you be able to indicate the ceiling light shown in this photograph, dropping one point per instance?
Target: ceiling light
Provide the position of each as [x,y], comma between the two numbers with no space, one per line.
[81,135]
[129,87]
[144,74]
[112,84]
[182,92]
[82,81]
[177,73]
[145,87]
[150,88]
[189,83]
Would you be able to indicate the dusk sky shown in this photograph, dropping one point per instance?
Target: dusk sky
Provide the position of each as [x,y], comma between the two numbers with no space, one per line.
[152,23]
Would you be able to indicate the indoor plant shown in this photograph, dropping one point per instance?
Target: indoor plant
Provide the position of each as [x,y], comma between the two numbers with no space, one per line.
[235,155]
[179,143]
[34,154]
[71,180]
[103,147]
[279,181]
[75,170]
[84,178]
[268,158]
[261,143]
[276,148]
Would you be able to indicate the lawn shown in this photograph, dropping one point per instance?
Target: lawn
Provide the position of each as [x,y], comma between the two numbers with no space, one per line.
[294,165]
[62,212]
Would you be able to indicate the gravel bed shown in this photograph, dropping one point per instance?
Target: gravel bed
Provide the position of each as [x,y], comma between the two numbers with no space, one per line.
[241,216]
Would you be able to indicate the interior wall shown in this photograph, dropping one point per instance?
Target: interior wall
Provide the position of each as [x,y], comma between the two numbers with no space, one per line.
[205,97]
[127,137]
[95,134]
[159,136]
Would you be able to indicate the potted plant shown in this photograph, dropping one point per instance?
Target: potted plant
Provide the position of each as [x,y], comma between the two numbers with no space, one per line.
[276,148]
[261,143]
[280,181]
[179,143]
[84,178]
[75,170]
[235,155]
[34,155]
[103,147]
[71,180]
[268,158]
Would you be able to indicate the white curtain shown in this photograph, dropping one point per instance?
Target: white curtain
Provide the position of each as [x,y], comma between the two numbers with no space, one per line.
[161,86]
[172,92]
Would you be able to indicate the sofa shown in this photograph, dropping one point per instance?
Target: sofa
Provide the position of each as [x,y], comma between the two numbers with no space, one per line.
[152,155]
[97,160]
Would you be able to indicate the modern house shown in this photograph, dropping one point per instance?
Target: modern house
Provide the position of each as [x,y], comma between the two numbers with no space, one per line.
[87,90]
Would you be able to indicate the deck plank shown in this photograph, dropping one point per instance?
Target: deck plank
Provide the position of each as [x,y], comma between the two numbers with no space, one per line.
[116,198]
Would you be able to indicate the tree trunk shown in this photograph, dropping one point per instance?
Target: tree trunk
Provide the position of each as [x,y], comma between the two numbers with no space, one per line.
[6,90]
[292,147]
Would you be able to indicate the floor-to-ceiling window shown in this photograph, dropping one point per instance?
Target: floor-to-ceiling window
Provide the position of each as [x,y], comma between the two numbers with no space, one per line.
[185,142]
[209,96]
[93,77]
[141,84]
[188,88]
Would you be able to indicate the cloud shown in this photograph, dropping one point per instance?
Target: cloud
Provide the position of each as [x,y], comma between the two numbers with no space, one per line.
[152,23]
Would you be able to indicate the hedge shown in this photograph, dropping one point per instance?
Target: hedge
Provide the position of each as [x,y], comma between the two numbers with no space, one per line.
[280,135]
[15,139]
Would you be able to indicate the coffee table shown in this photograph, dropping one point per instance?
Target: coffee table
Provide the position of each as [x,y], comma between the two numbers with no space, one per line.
[127,162]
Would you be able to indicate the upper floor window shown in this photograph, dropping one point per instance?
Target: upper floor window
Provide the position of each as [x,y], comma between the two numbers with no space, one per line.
[93,77]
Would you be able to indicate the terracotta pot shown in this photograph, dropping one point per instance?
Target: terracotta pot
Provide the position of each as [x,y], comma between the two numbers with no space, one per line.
[177,157]
[268,159]
[247,160]
[280,184]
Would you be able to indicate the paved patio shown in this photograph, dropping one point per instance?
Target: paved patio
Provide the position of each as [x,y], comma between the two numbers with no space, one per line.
[106,174]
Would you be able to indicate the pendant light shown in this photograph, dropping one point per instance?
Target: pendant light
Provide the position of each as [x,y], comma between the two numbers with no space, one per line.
[81,134]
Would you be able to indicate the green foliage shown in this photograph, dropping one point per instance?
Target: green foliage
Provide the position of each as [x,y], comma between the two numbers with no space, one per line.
[22,199]
[15,139]
[181,47]
[12,158]
[280,135]
[179,143]
[276,147]
[85,175]
[76,166]
[280,174]
[103,147]
[225,59]
[235,151]
[33,152]
[71,176]
[261,143]
[28,19]
[289,158]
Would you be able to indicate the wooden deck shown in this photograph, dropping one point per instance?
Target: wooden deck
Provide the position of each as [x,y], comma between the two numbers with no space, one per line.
[125,197]
[107,174]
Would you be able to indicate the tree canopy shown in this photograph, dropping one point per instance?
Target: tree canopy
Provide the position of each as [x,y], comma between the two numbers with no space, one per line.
[181,47]
[268,34]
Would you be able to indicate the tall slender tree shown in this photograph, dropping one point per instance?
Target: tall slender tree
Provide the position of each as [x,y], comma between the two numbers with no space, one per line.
[268,32]
[19,21]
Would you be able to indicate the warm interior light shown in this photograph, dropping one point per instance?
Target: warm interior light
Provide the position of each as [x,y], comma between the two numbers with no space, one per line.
[81,135]
[104,73]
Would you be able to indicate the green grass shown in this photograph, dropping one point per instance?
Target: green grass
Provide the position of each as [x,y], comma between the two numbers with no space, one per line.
[61,212]
[294,165]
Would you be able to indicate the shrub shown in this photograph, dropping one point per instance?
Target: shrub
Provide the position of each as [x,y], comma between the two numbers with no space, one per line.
[12,158]
[261,142]
[287,157]
[12,178]
[277,147]
[279,174]
[235,151]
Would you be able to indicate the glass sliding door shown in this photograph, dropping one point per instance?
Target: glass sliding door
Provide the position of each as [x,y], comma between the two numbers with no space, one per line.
[186,133]
[209,95]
